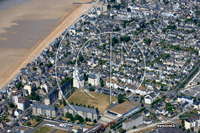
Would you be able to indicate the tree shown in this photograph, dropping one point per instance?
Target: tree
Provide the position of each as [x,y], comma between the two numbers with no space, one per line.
[120,98]
[68,115]
[34,96]
[128,9]
[81,58]
[188,130]
[198,131]
[114,40]
[28,123]
[142,25]
[147,41]
[95,121]
[108,6]
[91,89]
[60,102]
[192,129]
[183,128]
[19,85]
[125,38]
[64,102]
[180,126]
[11,105]
[49,65]
[102,83]
[122,130]
[78,117]
[86,77]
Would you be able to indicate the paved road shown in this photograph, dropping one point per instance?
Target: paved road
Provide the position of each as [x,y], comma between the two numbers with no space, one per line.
[174,92]
[155,124]
[148,126]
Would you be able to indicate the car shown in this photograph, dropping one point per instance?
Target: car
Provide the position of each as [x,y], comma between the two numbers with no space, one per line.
[70,125]
[50,125]
[61,125]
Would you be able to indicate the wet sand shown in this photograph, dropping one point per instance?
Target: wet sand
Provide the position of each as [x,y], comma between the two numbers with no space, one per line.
[28,28]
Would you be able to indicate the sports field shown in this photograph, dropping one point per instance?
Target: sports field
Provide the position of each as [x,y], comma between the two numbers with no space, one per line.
[101,101]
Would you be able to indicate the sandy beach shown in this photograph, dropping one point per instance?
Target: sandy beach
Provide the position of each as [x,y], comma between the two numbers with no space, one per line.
[14,57]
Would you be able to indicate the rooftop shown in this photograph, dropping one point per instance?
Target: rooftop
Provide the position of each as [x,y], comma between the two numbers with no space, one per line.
[124,107]
[22,99]
[46,107]
[84,109]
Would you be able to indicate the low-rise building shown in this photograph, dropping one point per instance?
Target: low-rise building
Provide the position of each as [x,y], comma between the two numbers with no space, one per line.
[16,95]
[150,98]
[23,103]
[45,110]
[94,79]
[86,112]
[134,121]
[184,99]
[192,121]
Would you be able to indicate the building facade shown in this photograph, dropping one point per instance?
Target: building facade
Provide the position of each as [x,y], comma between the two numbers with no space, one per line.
[23,103]
[94,79]
[45,110]
[86,112]
[134,121]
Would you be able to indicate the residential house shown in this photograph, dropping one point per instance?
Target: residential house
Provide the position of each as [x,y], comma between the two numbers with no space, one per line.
[149,98]
[23,103]
[192,121]
[94,79]
[16,95]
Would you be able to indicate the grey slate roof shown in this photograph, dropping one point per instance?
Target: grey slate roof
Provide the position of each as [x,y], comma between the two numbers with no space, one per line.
[46,107]
[84,109]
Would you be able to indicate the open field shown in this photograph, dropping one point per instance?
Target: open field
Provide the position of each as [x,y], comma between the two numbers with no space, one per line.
[44,129]
[61,131]
[101,101]
[147,130]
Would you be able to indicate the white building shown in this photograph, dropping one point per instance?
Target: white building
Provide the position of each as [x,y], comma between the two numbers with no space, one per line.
[150,98]
[94,79]
[28,88]
[23,103]
[184,99]
[78,78]
[16,95]
[44,87]
[78,81]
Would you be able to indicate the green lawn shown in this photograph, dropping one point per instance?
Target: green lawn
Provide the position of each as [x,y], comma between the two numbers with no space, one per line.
[44,129]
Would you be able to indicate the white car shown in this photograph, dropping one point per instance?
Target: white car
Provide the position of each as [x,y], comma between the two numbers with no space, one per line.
[70,125]
[50,125]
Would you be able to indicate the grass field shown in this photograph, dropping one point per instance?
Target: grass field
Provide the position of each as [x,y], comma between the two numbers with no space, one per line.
[44,129]
[101,101]
[61,131]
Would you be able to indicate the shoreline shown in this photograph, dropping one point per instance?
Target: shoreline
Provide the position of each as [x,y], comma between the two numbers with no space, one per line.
[65,22]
